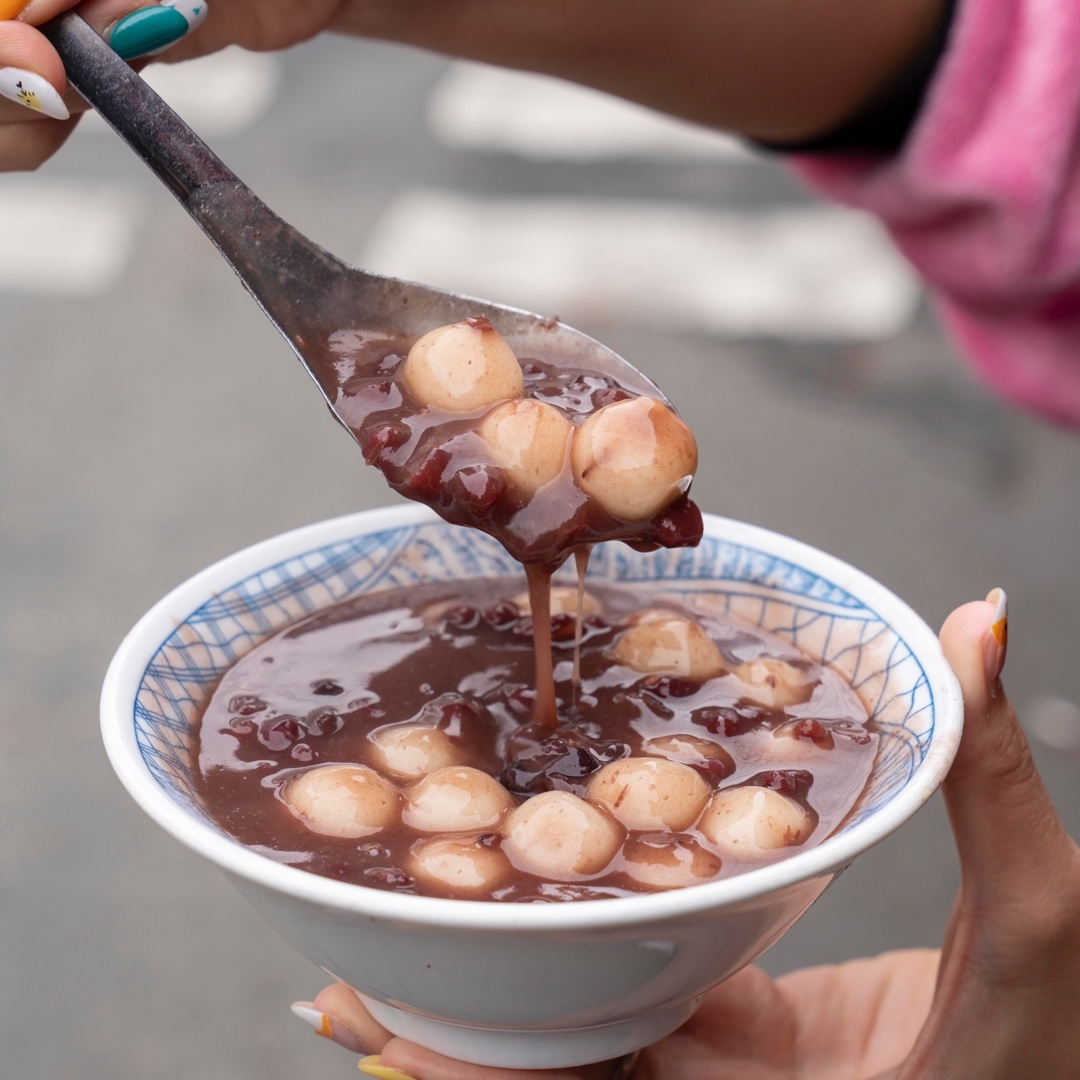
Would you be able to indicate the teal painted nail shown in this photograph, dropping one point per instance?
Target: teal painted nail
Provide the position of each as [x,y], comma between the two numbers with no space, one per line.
[146,31]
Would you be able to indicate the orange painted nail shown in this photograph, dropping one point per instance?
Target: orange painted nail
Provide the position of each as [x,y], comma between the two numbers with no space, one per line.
[997,639]
[10,8]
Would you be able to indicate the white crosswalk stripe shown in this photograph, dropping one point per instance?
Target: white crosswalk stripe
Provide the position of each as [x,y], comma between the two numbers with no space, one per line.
[810,273]
[476,107]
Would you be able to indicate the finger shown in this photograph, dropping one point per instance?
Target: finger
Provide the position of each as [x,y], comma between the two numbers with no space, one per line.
[34,69]
[37,12]
[99,15]
[338,1013]
[1007,832]
[134,29]
[327,1026]
[31,74]
[343,1018]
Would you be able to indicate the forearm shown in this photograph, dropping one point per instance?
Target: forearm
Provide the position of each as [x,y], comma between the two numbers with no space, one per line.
[777,70]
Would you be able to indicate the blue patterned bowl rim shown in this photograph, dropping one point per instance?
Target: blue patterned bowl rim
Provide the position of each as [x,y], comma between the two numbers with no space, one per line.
[174,655]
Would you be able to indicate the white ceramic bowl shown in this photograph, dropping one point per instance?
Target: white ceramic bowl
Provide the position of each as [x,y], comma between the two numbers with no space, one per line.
[528,985]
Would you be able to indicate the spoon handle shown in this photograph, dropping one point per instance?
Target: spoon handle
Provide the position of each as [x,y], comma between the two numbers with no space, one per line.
[294,280]
[181,160]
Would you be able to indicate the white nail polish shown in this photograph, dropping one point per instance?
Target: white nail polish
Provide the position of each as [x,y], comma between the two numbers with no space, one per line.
[27,88]
[192,10]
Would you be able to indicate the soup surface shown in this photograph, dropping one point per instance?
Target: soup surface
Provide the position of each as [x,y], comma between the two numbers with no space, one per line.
[390,741]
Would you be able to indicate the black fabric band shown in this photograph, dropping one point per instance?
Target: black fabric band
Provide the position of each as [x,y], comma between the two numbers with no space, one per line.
[883,123]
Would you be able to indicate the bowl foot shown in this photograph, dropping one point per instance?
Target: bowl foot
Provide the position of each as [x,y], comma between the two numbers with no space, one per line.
[520,1048]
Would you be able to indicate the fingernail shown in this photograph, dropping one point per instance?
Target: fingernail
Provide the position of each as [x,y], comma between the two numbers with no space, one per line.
[997,638]
[10,8]
[151,30]
[328,1027]
[31,90]
[373,1066]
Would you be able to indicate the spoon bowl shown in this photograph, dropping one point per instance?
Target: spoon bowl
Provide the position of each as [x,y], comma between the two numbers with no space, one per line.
[307,293]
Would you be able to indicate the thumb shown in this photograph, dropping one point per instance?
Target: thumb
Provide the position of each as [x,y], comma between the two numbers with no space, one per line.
[1007,832]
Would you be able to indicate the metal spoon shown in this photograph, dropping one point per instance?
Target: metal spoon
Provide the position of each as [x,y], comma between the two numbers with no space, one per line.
[306,293]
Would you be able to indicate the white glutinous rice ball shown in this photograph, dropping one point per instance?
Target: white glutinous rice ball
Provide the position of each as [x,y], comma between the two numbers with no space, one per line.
[557,835]
[462,367]
[663,861]
[672,645]
[692,750]
[343,800]
[527,441]
[464,865]
[649,793]
[753,822]
[409,751]
[456,799]
[634,457]
[773,682]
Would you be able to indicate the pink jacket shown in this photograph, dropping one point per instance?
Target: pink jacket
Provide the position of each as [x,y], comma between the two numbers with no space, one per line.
[984,197]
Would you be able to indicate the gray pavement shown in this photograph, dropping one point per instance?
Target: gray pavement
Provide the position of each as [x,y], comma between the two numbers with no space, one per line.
[152,429]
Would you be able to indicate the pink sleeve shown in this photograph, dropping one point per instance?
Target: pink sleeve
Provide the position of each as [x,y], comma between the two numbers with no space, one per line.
[984,197]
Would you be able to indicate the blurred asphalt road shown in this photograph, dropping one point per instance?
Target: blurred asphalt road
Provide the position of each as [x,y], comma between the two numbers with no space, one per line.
[152,422]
